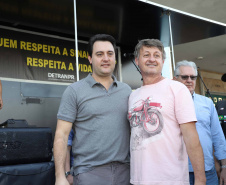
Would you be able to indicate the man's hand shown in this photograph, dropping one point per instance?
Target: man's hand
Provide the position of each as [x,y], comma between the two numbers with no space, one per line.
[60,150]
[62,181]
[223,176]
[70,179]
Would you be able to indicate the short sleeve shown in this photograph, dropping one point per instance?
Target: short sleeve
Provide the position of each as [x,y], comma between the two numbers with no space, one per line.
[68,105]
[184,105]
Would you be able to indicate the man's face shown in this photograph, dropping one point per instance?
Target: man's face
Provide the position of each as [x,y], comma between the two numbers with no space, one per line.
[150,61]
[103,58]
[186,71]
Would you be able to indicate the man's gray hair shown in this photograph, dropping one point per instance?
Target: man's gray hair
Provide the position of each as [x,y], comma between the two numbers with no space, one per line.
[149,43]
[184,63]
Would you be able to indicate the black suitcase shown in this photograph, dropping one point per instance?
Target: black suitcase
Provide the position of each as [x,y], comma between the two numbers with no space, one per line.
[28,174]
[14,123]
[25,145]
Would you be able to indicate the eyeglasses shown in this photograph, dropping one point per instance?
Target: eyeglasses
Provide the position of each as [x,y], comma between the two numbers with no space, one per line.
[185,77]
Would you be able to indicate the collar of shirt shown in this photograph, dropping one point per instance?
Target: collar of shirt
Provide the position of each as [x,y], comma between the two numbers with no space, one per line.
[90,80]
[193,95]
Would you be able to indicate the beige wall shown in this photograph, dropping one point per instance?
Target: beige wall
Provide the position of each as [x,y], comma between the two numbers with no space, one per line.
[213,83]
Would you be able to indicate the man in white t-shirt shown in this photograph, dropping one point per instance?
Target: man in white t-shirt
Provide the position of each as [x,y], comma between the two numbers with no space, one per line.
[162,118]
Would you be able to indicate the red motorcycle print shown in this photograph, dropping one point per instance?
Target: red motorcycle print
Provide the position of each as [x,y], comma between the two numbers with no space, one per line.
[148,116]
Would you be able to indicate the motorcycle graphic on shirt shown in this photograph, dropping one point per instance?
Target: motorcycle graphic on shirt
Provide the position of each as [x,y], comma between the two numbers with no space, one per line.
[146,119]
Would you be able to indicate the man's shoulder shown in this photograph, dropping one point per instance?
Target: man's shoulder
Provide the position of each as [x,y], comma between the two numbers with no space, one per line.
[175,84]
[78,84]
[134,92]
[76,88]
[178,88]
[203,99]
[123,85]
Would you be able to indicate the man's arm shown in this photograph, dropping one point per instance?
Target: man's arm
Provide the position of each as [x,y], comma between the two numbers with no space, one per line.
[67,162]
[194,150]
[217,166]
[60,150]
[1,101]
[223,172]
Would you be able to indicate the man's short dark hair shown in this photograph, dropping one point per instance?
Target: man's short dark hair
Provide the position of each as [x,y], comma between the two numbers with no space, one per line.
[100,37]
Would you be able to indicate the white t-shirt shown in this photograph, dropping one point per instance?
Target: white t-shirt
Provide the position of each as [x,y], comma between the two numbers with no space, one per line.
[158,153]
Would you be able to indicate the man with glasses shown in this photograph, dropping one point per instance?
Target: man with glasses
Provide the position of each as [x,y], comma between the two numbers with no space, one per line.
[208,126]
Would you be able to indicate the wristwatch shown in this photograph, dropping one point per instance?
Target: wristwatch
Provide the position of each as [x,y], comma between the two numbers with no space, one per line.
[67,173]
